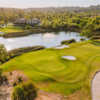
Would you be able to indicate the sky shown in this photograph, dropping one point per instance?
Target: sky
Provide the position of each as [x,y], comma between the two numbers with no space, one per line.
[46,3]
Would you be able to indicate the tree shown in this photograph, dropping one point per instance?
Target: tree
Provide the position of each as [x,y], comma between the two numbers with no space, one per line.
[25,91]
[0,72]
[3,53]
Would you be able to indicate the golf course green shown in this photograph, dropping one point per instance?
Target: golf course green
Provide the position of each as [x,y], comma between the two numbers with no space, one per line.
[50,72]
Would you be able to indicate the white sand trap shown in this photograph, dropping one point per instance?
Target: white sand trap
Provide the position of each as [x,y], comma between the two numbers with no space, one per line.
[62,47]
[96,87]
[69,57]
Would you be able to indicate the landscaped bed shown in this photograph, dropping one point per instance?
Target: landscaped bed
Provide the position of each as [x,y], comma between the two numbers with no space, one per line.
[52,73]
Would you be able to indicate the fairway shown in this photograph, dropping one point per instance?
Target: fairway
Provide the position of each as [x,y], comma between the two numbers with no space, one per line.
[11,29]
[52,73]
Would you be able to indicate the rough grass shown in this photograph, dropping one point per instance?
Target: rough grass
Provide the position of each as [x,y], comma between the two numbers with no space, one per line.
[52,73]
[12,29]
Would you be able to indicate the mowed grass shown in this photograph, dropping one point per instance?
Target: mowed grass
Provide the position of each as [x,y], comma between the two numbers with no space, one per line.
[52,73]
[11,29]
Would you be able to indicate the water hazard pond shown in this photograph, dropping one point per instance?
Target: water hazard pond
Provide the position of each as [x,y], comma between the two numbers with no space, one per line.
[47,40]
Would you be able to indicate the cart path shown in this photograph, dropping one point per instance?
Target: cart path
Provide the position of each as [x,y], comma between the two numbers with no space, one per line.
[96,87]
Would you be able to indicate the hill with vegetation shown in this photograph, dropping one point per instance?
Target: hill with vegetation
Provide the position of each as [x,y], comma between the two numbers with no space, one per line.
[83,20]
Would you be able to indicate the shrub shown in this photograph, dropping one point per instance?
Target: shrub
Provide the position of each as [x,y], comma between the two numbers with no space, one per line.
[86,32]
[0,76]
[3,53]
[82,39]
[68,41]
[3,79]
[20,80]
[18,93]
[28,27]
[14,84]
[25,91]
[0,72]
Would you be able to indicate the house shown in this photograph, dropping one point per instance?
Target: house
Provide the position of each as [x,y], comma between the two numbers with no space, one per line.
[23,21]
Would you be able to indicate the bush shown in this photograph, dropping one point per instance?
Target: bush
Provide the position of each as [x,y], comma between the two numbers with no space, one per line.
[86,32]
[25,91]
[18,81]
[0,72]
[68,41]
[82,39]
[0,76]
[3,53]
[3,79]
[28,27]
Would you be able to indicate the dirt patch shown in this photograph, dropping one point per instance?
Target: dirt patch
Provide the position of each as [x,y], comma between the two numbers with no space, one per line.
[6,89]
[5,92]
[13,77]
[78,96]
[48,96]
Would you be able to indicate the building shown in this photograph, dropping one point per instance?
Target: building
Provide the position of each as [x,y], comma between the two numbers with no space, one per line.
[23,21]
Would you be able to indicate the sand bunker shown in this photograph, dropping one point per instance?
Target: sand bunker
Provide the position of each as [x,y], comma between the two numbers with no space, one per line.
[69,57]
[62,47]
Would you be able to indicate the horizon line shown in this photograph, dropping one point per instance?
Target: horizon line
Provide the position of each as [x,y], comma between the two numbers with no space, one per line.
[48,7]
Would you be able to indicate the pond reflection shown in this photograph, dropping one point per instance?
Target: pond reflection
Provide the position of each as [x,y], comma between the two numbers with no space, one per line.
[45,39]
